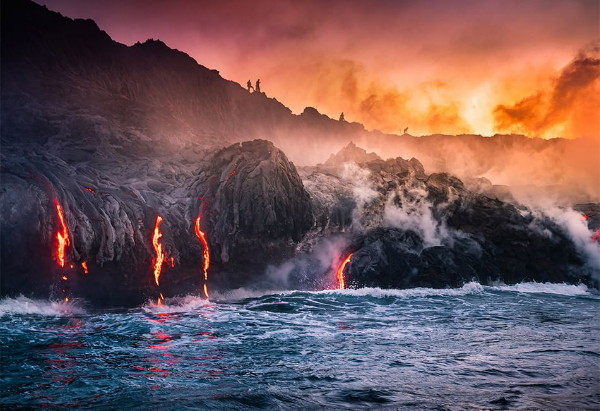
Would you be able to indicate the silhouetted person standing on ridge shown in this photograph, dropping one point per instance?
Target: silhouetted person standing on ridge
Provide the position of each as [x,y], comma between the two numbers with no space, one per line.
[342,117]
[249,84]
[258,86]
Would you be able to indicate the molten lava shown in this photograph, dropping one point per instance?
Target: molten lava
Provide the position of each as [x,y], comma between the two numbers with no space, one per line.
[596,236]
[85,267]
[62,237]
[91,190]
[340,273]
[160,254]
[205,253]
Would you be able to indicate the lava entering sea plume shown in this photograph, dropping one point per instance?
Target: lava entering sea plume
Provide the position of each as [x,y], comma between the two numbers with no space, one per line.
[340,272]
[158,248]
[205,252]
[62,236]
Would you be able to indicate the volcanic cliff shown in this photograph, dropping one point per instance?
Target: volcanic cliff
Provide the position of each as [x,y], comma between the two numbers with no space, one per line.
[114,158]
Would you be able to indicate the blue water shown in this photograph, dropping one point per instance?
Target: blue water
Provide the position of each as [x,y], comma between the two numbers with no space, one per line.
[530,345]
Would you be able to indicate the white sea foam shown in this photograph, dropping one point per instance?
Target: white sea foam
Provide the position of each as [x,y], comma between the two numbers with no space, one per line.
[469,288]
[177,304]
[545,288]
[244,293]
[24,305]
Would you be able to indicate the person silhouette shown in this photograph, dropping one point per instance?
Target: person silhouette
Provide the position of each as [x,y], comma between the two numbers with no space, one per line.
[249,84]
[342,117]
[258,86]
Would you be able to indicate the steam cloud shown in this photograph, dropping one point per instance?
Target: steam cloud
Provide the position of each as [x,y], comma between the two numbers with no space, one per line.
[570,108]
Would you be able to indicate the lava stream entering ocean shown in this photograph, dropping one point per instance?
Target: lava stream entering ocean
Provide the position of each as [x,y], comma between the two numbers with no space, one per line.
[160,255]
[205,253]
[62,236]
[340,273]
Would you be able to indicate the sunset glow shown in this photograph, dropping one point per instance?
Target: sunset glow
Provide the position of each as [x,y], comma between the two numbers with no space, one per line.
[432,66]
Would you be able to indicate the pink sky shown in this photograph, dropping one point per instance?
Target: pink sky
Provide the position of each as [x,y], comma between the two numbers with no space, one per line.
[525,66]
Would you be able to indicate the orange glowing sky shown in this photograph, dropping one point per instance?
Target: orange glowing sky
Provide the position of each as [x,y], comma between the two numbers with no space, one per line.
[525,66]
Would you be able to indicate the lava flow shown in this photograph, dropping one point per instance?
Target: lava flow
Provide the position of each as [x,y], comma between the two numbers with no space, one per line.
[205,253]
[596,236]
[62,237]
[85,267]
[340,273]
[160,255]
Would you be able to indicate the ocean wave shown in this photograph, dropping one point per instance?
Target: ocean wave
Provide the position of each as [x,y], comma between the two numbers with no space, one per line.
[545,288]
[24,305]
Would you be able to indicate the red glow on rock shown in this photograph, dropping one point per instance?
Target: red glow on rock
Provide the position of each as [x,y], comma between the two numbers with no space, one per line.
[340,272]
[62,237]
[205,252]
[85,267]
[172,262]
[91,190]
[596,236]
[158,249]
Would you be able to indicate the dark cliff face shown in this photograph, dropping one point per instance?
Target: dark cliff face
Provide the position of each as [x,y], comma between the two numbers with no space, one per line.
[66,79]
[253,205]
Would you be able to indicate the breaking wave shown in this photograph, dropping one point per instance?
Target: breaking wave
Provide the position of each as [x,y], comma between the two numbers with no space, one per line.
[177,305]
[24,305]
[469,288]
[545,288]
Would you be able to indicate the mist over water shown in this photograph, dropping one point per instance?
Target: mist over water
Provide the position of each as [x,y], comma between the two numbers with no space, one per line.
[528,345]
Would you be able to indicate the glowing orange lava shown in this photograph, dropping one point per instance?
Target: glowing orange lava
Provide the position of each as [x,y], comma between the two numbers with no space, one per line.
[160,255]
[91,190]
[85,267]
[160,299]
[340,273]
[62,237]
[596,236]
[205,253]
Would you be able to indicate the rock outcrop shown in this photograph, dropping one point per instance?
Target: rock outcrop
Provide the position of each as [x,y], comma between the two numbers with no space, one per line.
[253,204]
[419,230]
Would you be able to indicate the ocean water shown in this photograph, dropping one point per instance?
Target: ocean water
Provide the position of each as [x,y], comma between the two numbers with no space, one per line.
[525,346]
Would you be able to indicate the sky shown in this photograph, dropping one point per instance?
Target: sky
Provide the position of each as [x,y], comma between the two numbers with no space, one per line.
[446,66]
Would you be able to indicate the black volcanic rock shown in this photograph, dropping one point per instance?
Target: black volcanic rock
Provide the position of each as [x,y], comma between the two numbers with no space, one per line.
[351,153]
[456,235]
[252,202]
[591,213]
[253,205]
